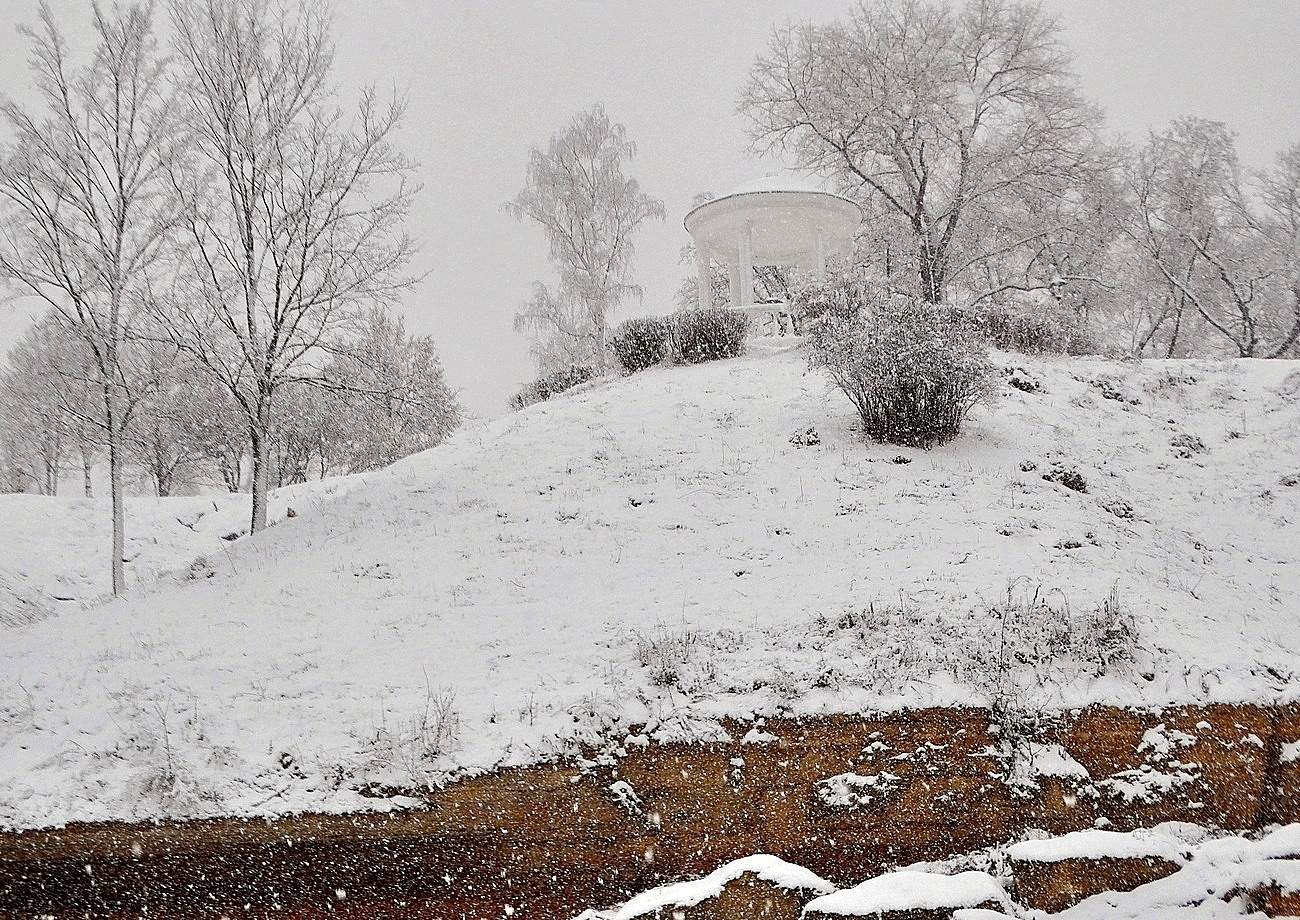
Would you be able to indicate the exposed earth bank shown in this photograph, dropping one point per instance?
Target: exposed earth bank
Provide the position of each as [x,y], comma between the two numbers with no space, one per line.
[843,796]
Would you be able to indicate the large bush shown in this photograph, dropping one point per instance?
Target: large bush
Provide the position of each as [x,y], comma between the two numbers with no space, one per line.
[708,335]
[913,370]
[640,342]
[551,384]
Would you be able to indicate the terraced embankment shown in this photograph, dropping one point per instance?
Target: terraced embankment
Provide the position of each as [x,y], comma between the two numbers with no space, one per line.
[549,841]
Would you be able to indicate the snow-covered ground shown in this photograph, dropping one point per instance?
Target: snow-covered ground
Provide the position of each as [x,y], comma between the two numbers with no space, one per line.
[655,549]
[54,551]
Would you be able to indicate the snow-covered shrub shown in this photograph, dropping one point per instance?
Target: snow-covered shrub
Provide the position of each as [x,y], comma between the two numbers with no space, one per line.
[675,658]
[913,370]
[640,342]
[1066,476]
[174,767]
[552,384]
[1033,331]
[708,335]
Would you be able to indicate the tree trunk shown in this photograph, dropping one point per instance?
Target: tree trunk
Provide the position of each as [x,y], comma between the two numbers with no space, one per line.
[931,279]
[261,447]
[86,487]
[115,487]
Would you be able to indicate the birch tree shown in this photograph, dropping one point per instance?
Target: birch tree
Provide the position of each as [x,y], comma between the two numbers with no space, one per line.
[577,192]
[85,207]
[934,117]
[292,213]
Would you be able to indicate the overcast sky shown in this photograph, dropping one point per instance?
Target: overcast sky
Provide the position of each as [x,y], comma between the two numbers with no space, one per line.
[486,80]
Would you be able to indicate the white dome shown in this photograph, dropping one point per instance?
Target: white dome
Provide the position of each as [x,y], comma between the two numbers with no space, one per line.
[785,216]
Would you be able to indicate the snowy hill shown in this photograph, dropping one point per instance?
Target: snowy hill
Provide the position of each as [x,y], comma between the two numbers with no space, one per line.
[655,549]
[54,548]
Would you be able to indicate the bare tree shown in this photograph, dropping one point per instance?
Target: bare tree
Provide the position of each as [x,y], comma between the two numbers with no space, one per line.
[1279,199]
[1222,252]
[34,423]
[577,192]
[936,118]
[48,402]
[293,214]
[86,211]
[167,441]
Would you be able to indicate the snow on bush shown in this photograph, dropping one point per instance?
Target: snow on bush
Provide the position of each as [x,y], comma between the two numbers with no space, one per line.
[913,371]
[552,384]
[1033,331]
[675,658]
[640,342]
[672,900]
[1142,843]
[708,335]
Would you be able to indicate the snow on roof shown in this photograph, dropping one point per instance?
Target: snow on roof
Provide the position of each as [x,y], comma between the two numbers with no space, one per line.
[782,182]
[1097,844]
[773,184]
[687,894]
[908,890]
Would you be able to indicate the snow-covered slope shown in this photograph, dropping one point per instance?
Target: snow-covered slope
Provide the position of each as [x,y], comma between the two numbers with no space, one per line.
[656,549]
[54,550]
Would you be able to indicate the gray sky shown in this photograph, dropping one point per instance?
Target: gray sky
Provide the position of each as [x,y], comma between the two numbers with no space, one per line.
[487,80]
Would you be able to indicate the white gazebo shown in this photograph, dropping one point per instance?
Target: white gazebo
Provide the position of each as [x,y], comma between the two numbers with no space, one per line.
[776,220]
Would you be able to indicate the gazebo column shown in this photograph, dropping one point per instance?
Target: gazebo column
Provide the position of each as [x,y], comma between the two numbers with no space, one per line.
[820,265]
[746,267]
[704,279]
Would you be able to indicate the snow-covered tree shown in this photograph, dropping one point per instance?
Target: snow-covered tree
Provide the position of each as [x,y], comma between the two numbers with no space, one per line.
[167,440]
[560,326]
[33,421]
[293,214]
[84,209]
[307,427]
[577,192]
[1219,246]
[395,399]
[937,119]
[1278,189]
[222,431]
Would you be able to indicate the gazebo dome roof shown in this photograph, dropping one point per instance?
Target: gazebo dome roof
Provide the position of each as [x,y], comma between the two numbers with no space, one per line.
[785,213]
